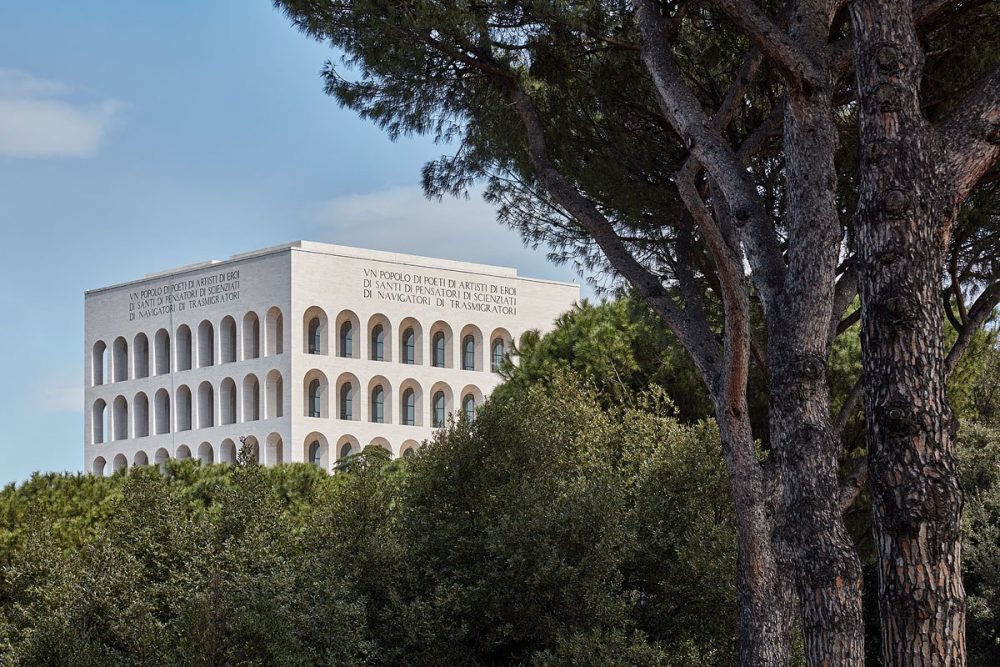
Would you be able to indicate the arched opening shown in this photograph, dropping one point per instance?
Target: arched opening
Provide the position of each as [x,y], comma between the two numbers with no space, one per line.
[98,421]
[227,340]
[253,447]
[379,338]
[410,342]
[500,347]
[442,345]
[275,330]
[140,356]
[120,359]
[275,450]
[348,398]
[472,398]
[206,405]
[161,412]
[316,391]
[120,409]
[251,398]
[378,404]
[140,459]
[97,467]
[251,336]
[205,454]
[317,451]
[183,452]
[347,327]
[381,443]
[347,446]
[99,364]
[160,458]
[227,401]
[183,343]
[140,415]
[410,404]
[119,464]
[438,410]
[408,449]
[183,402]
[206,344]
[227,451]
[472,348]
[161,352]
[379,400]
[275,403]
[315,327]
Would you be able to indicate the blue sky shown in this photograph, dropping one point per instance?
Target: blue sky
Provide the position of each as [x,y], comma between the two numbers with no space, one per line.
[139,136]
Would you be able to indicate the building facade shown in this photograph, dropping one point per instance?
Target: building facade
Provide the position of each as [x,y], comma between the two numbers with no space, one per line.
[309,351]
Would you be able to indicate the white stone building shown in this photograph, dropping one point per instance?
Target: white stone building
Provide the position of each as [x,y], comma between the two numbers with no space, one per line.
[311,351]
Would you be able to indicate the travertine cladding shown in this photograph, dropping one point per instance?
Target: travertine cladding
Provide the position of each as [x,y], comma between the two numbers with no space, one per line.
[136,403]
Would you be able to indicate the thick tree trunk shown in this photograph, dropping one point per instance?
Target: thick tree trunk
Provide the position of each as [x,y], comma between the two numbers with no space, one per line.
[766,601]
[904,204]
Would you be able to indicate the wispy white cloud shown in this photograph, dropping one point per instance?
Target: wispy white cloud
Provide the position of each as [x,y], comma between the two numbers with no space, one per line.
[63,394]
[38,118]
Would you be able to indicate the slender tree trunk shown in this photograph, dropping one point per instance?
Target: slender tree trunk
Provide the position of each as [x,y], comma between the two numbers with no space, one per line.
[902,211]
[766,605]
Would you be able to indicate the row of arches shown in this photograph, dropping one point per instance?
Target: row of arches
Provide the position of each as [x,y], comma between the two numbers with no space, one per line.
[379,402]
[203,406]
[205,345]
[315,449]
[408,344]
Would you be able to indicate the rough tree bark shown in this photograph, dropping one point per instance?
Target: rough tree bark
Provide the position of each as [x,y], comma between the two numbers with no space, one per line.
[913,179]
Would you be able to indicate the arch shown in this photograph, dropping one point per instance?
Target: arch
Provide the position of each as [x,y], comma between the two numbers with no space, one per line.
[160,458]
[473,393]
[411,405]
[183,408]
[274,331]
[119,359]
[379,338]
[316,390]
[348,401]
[182,343]
[227,340]
[348,327]
[161,352]
[442,345]
[472,348]
[140,459]
[379,441]
[100,364]
[183,452]
[205,453]
[119,463]
[408,448]
[227,401]
[316,450]
[251,336]
[206,405]
[206,344]
[120,418]
[274,402]
[140,415]
[274,449]
[227,451]
[411,341]
[374,411]
[97,467]
[251,398]
[315,328]
[501,344]
[140,356]
[442,404]
[251,442]
[98,421]
[161,412]
[347,446]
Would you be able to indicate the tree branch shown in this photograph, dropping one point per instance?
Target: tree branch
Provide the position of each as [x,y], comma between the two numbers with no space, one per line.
[978,314]
[972,134]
